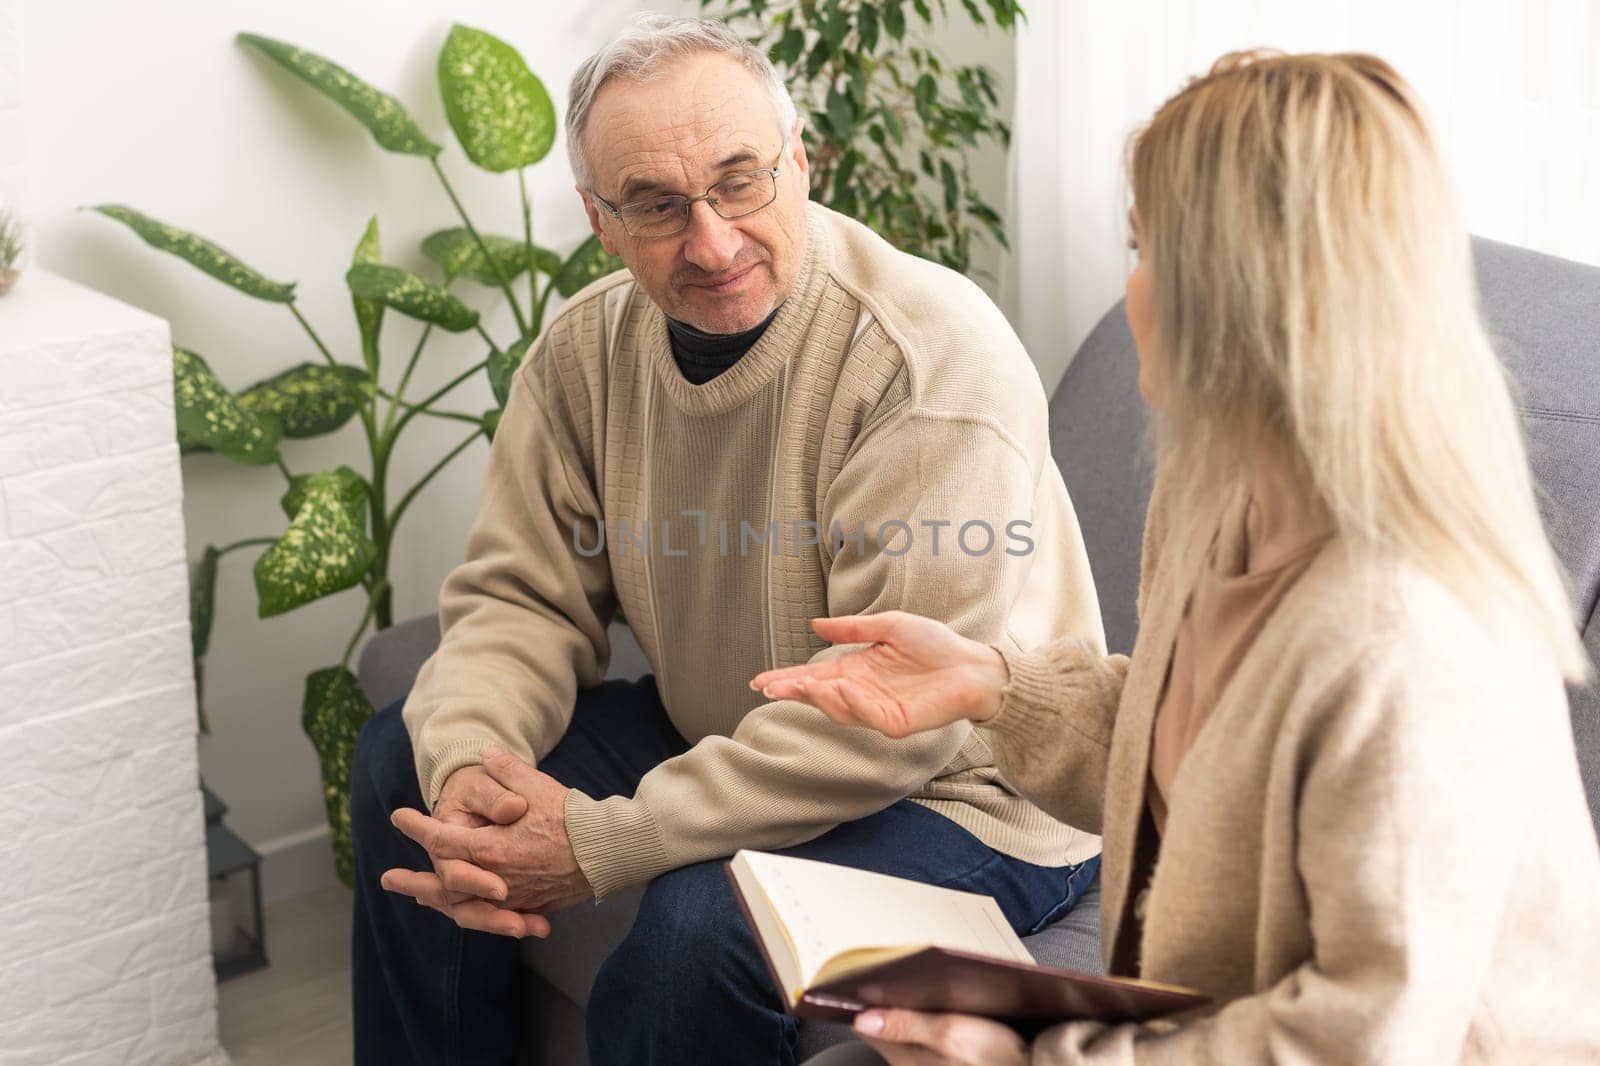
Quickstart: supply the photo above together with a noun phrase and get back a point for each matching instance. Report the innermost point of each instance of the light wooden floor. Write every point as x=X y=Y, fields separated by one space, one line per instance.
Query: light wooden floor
x=297 y=1010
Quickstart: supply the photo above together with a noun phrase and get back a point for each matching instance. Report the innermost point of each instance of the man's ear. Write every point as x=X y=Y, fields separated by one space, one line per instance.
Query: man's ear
x=801 y=163
x=594 y=221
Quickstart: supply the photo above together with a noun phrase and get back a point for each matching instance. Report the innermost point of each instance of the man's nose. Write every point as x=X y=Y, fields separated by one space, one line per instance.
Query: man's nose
x=711 y=242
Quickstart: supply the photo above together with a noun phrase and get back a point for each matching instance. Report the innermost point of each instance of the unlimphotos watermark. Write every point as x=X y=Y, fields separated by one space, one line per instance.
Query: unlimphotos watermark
x=893 y=537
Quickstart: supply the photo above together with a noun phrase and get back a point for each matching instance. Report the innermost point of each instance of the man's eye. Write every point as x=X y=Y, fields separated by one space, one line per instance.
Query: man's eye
x=657 y=208
x=736 y=187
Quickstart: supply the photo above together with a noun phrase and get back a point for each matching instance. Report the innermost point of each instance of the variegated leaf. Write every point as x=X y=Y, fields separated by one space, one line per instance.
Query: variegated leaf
x=369 y=313
x=499 y=109
x=208 y=414
x=351 y=486
x=332 y=714
x=199 y=252
x=310 y=399
x=324 y=550
x=457 y=253
x=410 y=295
x=502 y=365
x=387 y=119
x=545 y=261
x=202 y=604
x=588 y=262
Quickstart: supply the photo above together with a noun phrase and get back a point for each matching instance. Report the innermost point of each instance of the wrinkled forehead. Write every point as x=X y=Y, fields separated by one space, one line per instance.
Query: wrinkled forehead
x=682 y=129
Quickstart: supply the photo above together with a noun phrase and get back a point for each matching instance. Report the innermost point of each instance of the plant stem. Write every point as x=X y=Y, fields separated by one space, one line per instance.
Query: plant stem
x=245 y=544
x=494 y=265
x=486 y=338
x=406 y=377
x=287 y=476
x=405 y=500
x=527 y=245
x=549 y=287
x=380 y=589
x=459 y=416
x=412 y=412
x=312 y=333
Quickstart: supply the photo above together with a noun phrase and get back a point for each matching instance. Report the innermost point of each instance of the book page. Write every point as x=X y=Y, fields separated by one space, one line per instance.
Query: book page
x=770 y=930
x=830 y=911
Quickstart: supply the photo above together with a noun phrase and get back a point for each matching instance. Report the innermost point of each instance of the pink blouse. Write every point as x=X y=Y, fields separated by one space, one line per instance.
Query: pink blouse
x=1259 y=551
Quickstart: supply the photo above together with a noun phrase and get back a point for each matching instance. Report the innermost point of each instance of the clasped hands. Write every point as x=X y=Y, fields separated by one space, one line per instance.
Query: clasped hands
x=498 y=841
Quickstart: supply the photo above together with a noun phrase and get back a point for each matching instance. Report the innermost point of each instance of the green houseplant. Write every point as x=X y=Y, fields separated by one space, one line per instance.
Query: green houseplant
x=11 y=248
x=889 y=125
x=342 y=523
x=888 y=131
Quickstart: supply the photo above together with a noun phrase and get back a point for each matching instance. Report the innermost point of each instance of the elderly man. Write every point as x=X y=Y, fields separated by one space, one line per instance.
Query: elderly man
x=771 y=416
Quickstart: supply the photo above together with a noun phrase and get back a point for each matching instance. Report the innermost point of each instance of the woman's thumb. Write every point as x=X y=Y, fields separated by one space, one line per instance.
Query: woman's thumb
x=855 y=628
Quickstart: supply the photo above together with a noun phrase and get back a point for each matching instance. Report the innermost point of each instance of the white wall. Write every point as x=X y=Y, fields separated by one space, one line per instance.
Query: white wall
x=105 y=953
x=1513 y=90
x=12 y=139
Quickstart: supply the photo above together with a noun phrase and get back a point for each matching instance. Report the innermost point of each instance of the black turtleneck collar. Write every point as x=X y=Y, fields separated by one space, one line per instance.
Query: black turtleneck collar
x=702 y=356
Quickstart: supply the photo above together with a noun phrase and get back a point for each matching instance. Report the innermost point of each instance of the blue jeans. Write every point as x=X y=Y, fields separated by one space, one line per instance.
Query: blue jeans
x=687 y=984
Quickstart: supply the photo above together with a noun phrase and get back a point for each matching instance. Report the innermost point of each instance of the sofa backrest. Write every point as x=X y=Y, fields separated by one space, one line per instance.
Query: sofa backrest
x=1543 y=314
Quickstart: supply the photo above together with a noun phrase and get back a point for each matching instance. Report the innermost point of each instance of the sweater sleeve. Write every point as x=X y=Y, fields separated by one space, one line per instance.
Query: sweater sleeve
x=1407 y=778
x=787 y=774
x=523 y=619
x=1052 y=737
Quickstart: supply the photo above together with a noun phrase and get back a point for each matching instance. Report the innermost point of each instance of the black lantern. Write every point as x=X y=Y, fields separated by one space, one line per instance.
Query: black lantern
x=238 y=937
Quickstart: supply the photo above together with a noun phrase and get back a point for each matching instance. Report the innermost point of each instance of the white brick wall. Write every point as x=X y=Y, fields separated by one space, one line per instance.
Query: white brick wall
x=105 y=953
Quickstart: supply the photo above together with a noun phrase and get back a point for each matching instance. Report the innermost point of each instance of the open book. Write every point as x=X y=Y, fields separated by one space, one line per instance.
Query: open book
x=840 y=940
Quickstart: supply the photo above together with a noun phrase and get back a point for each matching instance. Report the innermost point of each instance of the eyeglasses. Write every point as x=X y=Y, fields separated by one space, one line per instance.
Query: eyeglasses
x=733 y=197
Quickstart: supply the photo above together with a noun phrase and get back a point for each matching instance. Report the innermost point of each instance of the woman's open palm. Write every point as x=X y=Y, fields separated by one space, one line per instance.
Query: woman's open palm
x=918 y=674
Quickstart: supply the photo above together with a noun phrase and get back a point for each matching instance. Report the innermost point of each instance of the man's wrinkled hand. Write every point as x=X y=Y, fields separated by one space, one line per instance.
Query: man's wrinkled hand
x=527 y=867
x=471 y=798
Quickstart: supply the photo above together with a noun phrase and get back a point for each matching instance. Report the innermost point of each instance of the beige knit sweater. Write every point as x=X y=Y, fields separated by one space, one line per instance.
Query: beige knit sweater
x=886 y=390
x=1377 y=850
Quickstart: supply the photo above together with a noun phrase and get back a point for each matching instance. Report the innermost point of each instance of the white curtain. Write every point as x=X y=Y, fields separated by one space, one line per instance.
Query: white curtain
x=1513 y=89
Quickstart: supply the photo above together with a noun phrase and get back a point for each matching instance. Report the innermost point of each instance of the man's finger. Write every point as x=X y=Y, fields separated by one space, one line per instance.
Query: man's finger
x=511 y=772
x=487 y=918
x=470 y=880
x=424 y=888
x=488 y=796
x=437 y=839
x=535 y=924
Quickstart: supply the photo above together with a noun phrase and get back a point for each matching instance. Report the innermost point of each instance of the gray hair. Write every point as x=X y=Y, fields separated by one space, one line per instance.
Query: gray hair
x=642 y=50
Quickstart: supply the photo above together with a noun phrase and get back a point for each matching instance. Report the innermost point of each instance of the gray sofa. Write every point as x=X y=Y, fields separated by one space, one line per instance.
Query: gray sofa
x=1544 y=315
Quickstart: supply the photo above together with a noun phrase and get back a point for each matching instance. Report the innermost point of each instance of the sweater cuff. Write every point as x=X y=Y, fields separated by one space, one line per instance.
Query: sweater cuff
x=616 y=841
x=435 y=768
x=1030 y=701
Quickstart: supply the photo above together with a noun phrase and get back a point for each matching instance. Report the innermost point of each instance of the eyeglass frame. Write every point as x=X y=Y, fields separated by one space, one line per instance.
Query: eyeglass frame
x=776 y=169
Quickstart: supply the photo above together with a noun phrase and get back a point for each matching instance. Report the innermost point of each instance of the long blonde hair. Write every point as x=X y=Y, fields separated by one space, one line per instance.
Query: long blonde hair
x=1313 y=284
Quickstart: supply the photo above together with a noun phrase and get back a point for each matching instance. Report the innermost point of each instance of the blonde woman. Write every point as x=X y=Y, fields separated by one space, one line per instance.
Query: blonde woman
x=1336 y=780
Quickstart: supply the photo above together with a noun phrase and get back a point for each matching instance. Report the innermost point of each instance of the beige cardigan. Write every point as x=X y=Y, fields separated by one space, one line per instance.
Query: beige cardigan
x=1378 y=849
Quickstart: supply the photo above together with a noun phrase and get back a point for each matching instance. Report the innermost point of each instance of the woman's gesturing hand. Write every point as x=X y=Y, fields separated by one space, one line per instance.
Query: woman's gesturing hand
x=918 y=674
